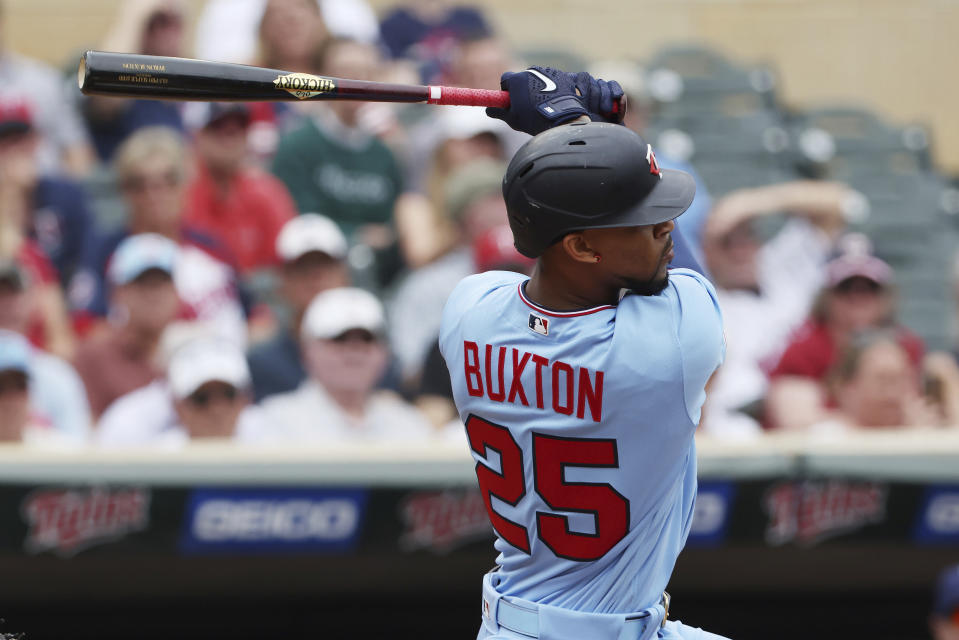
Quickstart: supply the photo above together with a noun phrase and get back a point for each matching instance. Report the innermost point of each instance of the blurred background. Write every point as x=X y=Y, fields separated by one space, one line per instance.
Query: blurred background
x=223 y=412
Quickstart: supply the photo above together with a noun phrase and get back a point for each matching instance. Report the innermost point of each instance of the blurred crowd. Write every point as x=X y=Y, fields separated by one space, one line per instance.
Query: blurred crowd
x=275 y=273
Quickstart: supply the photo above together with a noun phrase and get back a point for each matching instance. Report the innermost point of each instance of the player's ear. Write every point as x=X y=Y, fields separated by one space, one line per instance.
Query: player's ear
x=578 y=247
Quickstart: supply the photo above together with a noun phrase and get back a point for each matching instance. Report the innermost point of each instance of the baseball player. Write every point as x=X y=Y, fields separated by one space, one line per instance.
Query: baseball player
x=581 y=386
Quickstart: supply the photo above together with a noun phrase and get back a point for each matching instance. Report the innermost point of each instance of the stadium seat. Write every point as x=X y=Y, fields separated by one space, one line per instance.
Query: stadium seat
x=697 y=80
x=839 y=142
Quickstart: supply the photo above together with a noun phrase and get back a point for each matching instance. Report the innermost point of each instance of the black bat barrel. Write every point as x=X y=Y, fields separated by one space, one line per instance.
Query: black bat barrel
x=165 y=78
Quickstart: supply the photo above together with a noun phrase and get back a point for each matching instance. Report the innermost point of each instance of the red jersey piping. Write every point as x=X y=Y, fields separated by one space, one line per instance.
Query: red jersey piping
x=558 y=314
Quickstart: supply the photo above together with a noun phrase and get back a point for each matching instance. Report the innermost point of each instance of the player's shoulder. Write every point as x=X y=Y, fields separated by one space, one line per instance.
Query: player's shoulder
x=696 y=298
x=690 y=283
x=473 y=289
x=472 y=295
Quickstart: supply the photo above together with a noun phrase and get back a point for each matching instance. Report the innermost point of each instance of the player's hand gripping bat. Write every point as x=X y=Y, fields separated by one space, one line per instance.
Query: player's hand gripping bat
x=163 y=78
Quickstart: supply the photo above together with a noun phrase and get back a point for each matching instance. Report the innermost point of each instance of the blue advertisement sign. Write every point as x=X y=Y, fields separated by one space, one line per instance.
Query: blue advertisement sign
x=273 y=520
x=938 y=520
x=714 y=503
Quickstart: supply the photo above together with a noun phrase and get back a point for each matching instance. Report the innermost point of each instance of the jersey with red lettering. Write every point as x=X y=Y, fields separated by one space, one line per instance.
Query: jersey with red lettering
x=581 y=424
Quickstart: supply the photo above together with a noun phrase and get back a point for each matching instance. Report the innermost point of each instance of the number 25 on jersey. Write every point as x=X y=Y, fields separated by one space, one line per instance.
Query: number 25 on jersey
x=551 y=457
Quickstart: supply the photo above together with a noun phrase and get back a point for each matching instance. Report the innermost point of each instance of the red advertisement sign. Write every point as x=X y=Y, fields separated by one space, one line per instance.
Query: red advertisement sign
x=808 y=512
x=443 y=520
x=67 y=521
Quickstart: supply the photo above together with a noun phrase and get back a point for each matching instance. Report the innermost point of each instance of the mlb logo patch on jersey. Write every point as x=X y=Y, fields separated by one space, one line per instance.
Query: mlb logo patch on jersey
x=538 y=324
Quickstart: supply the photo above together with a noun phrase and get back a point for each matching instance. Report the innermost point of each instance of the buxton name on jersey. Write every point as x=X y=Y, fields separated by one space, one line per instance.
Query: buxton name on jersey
x=498 y=376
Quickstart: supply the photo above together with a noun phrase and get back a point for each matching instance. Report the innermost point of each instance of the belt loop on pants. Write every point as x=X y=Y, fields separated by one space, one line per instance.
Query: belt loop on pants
x=534 y=620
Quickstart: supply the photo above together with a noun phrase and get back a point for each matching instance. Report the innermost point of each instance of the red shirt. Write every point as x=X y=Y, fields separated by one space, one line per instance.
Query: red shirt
x=812 y=352
x=111 y=367
x=247 y=218
x=38 y=270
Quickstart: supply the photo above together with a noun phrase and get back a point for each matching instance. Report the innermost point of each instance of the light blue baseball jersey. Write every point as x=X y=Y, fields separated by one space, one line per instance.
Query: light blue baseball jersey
x=581 y=424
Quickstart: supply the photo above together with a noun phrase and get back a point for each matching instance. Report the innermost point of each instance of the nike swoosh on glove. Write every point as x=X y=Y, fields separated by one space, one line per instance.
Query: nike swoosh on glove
x=542 y=98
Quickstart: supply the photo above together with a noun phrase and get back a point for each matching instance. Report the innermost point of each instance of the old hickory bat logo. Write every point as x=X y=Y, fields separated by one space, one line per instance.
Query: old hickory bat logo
x=303 y=85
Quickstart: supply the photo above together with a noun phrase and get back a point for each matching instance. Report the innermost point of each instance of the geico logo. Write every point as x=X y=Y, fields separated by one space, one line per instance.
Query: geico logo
x=942 y=516
x=293 y=520
x=709 y=513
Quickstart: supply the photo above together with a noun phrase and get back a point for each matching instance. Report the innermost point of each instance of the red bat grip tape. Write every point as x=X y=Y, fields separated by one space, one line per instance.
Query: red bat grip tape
x=469 y=97
x=476 y=97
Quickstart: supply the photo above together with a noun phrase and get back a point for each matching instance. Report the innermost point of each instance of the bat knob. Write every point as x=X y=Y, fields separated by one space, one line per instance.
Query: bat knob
x=82 y=71
x=619 y=109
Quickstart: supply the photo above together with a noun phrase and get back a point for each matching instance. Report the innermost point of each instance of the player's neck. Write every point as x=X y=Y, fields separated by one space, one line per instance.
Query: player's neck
x=568 y=289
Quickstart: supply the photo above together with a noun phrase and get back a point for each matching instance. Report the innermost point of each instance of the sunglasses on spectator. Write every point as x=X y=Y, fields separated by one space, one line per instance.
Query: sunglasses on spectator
x=168 y=180
x=356 y=335
x=13 y=384
x=204 y=397
x=857 y=284
x=163 y=19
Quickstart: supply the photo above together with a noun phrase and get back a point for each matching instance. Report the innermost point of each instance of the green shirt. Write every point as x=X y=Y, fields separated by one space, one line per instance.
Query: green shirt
x=353 y=183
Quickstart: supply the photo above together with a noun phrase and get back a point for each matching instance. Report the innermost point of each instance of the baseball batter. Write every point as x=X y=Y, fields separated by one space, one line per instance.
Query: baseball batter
x=581 y=386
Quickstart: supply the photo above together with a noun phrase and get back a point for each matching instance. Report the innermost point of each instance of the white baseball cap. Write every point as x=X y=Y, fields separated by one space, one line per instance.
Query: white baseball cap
x=206 y=360
x=310 y=232
x=336 y=311
x=139 y=253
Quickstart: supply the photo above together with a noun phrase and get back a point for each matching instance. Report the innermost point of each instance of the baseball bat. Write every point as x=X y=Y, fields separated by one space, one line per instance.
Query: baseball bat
x=164 y=78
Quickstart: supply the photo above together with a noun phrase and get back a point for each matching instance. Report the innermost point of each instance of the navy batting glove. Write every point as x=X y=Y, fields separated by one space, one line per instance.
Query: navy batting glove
x=601 y=97
x=542 y=97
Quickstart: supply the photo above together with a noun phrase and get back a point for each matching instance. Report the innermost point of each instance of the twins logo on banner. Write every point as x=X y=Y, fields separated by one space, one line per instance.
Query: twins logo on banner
x=807 y=512
x=273 y=520
x=66 y=521
x=938 y=521
x=443 y=520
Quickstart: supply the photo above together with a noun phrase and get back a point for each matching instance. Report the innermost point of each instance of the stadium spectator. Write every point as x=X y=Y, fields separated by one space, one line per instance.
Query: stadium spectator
x=204 y=396
x=47 y=321
x=437 y=148
x=56 y=391
x=875 y=385
x=153 y=27
x=346 y=353
x=312 y=250
x=765 y=289
x=493 y=250
x=428 y=31
x=292 y=33
x=63 y=143
x=19 y=422
x=944 y=621
x=332 y=165
x=478 y=62
x=143 y=301
x=858 y=295
x=229 y=199
x=227 y=29
x=151 y=168
x=52 y=210
x=474 y=202
x=940 y=386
